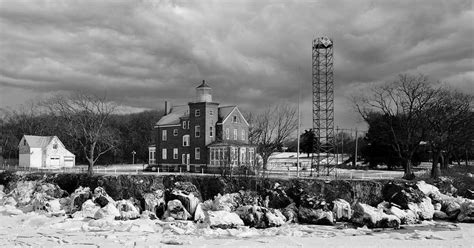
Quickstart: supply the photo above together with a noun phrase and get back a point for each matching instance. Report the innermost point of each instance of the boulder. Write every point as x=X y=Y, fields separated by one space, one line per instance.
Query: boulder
x=78 y=198
x=88 y=210
x=451 y=206
x=223 y=219
x=226 y=202
x=406 y=216
x=100 y=192
x=429 y=190
x=277 y=197
x=291 y=213
x=199 y=214
x=440 y=215
x=127 y=210
x=252 y=216
x=466 y=213
x=109 y=211
x=188 y=199
x=402 y=194
x=155 y=202
x=274 y=218
x=342 y=210
x=53 y=206
x=102 y=201
x=177 y=211
x=23 y=192
x=260 y=217
x=315 y=216
x=373 y=218
x=437 y=206
x=424 y=209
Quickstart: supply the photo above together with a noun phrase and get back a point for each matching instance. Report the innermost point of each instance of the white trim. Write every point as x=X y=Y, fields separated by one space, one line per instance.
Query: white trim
x=235 y=108
x=170 y=125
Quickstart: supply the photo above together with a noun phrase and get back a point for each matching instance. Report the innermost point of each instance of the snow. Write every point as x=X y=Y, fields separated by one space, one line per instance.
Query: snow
x=38 y=230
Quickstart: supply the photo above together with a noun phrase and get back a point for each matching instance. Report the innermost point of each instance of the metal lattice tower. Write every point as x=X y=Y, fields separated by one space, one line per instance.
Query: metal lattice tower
x=323 y=104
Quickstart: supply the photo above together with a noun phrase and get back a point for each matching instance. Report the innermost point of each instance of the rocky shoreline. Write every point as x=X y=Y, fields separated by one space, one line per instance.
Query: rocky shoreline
x=278 y=202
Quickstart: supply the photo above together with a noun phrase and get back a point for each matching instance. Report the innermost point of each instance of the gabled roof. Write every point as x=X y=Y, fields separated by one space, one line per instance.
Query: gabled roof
x=174 y=116
x=225 y=111
x=38 y=141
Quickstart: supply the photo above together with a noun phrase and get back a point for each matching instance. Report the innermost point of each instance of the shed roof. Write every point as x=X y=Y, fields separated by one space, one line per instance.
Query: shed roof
x=38 y=141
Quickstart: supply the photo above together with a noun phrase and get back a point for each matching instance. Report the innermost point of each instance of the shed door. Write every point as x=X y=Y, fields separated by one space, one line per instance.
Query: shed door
x=54 y=160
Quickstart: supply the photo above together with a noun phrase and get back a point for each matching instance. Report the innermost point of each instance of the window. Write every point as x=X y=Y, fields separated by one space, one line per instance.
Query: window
x=242 y=156
x=24 y=142
x=163 y=135
x=175 y=153
x=227 y=133
x=151 y=155
x=251 y=156
x=197 y=131
x=163 y=154
x=235 y=134
x=197 y=153
x=197 y=112
x=55 y=146
x=211 y=112
x=186 y=140
x=234 y=119
x=175 y=132
x=188 y=125
x=243 y=134
x=211 y=132
x=184 y=124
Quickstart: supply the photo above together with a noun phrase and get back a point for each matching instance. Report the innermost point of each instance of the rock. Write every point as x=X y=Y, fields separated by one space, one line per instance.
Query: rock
x=53 y=206
x=429 y=190
x=227 y=202
x=274 y=218
x=199 y=214
x=100 y=192
x=188 y=199
x=342 y=210
x=88 y=210
x=424 y=209
x=177 y=211
x=437 y=206
x=451 y=206
x=445 y=185
x=466 y=213
x=78 y=198
x=127 y=210
x=291 y=213
x=223 y=219
x=109 y=211
x=155 y=202
x=277 y=197
x=8 y=201
x=373 y=218
x=23 y=192
x=252 y=216
x=406 y=216
x=439 y=215
x=402 y=194
x=315 y=216
x=101 y=201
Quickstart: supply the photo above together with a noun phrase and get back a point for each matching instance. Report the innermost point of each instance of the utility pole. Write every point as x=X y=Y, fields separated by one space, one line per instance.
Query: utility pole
x=298 y=134
x=356 y=146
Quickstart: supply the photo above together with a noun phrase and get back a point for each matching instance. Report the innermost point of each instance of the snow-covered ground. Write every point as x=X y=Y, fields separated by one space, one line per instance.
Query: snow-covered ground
x=37 y=230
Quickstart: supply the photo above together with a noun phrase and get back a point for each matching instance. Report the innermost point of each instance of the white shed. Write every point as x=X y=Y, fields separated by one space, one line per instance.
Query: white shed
x=44 y=152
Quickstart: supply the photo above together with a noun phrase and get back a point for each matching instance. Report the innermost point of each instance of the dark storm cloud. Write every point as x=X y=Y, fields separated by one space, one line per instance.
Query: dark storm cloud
x=252 y=53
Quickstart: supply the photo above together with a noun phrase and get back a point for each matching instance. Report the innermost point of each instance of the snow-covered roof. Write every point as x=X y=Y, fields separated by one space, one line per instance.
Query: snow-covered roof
x=38 y=141
x=174 y=116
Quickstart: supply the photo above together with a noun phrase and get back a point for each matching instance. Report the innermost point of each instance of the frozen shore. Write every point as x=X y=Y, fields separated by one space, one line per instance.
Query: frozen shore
x=37 y=230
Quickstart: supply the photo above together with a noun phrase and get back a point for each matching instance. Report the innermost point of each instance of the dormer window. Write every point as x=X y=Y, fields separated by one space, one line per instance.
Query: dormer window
x=197 y=112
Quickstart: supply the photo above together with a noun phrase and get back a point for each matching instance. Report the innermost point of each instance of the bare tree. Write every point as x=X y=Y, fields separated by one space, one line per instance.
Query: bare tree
x=86 y=118
x=270 y=128
x=403 y=105
x=450 y=121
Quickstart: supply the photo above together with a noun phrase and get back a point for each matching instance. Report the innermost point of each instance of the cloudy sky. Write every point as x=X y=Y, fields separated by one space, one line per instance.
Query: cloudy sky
x=253 y=53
